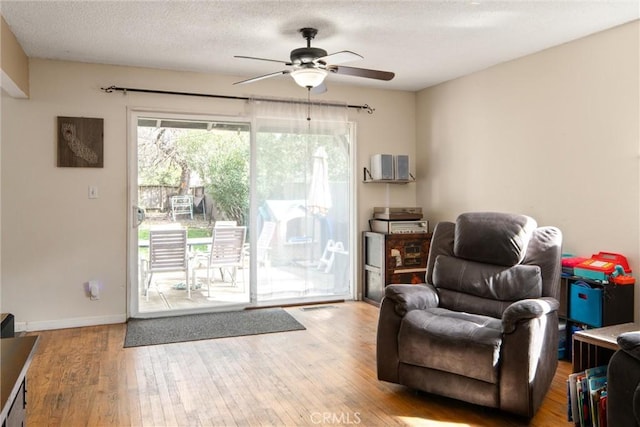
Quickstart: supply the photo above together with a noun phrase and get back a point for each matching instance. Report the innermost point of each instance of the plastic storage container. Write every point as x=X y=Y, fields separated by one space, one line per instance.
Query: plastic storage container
x=585 y=304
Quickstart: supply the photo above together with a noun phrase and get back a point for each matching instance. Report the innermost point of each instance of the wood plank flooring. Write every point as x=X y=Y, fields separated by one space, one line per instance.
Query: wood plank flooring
x=324 y=375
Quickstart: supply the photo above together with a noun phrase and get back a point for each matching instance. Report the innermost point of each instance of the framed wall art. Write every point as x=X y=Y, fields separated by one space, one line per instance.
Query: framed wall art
x=80 y=142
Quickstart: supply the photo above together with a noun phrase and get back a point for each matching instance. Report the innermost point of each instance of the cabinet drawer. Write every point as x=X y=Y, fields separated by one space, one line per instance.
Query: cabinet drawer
x=373 y=286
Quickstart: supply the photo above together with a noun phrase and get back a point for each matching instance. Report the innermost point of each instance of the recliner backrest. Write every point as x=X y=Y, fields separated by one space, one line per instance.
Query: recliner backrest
x=493 y=237
x=545 y=251
x=487 y=260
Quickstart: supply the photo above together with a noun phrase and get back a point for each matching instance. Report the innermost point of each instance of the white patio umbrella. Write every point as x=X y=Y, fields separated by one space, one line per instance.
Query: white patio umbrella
x=319 y=197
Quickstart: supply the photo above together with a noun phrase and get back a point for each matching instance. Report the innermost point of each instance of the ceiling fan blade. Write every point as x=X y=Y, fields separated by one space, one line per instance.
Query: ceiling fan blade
x=339 y=57
x=321 y=88
x=361 y=72
x=266 y=76
x=263 y=59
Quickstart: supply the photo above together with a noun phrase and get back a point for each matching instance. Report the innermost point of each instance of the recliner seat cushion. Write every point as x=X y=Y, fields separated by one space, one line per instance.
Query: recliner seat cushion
x=493 y=237
x=458 y=301
x=460 y=343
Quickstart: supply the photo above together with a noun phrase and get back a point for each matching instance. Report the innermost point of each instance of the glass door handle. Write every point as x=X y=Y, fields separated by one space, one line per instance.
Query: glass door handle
x=138 y=215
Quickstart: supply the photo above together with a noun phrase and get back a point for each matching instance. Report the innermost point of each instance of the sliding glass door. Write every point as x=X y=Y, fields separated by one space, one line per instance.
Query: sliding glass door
x=287 y=185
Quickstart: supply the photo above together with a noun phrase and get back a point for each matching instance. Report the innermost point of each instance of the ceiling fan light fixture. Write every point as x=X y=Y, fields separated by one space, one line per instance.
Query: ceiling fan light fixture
x=309 y=77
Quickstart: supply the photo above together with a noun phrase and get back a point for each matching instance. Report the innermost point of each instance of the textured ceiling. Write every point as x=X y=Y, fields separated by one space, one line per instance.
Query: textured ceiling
x=423 y=42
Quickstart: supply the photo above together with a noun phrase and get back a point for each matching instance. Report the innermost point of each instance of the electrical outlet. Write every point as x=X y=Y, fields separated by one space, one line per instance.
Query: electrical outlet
x=94 y=290
x=93 y=192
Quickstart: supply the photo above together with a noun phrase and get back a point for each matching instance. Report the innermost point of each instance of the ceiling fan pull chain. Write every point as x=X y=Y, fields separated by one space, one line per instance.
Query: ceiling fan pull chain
x=308 y=104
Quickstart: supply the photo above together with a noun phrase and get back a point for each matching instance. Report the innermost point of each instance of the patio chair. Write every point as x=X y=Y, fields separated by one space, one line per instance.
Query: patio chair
x=181 y=205
x=329 y=255
x=227 y=253
x=167 y=253
x=219 y=224
x=263 y=246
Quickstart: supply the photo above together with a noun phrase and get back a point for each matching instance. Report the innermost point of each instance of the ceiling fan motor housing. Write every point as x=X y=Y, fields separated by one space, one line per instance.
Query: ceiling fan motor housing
x=306 y=55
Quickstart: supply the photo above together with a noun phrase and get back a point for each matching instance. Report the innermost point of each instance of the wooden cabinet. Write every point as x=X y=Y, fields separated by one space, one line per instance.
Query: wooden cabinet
x=392 y=258
x=15 y=358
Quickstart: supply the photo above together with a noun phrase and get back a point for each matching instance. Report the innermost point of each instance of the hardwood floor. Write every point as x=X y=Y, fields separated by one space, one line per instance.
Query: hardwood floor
x=324 y=375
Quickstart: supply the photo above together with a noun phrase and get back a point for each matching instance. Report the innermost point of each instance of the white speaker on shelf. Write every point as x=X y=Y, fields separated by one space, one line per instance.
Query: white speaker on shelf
x=382 y=166
x=402 y=167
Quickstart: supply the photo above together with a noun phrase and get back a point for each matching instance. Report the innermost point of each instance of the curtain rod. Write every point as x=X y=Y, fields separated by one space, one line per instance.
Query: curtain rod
x=111 y=89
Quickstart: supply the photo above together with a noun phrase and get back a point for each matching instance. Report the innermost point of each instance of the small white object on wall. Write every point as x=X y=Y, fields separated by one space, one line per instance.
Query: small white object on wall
x=94 y=290
x=93 y=192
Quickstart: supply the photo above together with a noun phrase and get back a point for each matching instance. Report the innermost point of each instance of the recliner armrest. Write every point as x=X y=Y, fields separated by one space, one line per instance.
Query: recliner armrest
x=411 y=297
x=527 y=309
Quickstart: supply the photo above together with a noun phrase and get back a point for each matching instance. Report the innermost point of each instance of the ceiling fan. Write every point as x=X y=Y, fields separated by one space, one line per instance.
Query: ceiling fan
x=310 y=65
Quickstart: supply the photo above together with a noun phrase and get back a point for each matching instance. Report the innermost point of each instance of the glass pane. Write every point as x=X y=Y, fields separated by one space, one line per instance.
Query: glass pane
x=303 y=203
x=192 y=174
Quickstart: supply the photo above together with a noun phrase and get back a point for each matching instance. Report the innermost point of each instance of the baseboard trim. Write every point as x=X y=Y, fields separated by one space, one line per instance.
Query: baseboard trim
x=271 y=304
x=77 y=322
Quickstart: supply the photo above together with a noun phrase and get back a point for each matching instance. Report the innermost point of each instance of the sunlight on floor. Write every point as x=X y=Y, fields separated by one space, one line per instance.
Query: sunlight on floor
x=414 y=421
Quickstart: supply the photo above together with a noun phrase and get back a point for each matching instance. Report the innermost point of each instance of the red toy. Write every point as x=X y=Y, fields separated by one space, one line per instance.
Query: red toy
x=601 y=265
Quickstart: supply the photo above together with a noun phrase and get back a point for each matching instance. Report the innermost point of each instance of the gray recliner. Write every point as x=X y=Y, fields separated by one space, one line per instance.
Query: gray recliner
x=484 y=328
x=623 y=383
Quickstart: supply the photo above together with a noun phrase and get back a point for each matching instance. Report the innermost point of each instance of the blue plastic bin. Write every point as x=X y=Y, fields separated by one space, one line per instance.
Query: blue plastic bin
x=585 y=304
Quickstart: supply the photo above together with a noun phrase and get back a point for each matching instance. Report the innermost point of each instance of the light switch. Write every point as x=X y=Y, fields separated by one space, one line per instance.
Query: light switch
x=93 y=192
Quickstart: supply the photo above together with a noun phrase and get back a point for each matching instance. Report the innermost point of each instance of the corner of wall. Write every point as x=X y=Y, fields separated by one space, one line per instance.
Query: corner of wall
x=14 y=64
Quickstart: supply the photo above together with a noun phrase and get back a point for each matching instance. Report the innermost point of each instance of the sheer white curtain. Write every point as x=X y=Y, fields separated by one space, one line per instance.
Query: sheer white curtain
x=302 y=173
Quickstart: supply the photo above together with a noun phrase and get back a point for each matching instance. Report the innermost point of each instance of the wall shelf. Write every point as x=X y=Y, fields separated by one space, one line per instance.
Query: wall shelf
x=368 y=179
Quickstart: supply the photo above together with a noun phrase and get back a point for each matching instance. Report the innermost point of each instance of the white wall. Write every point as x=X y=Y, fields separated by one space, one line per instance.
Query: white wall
x=54 y=239
x=555 y=135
